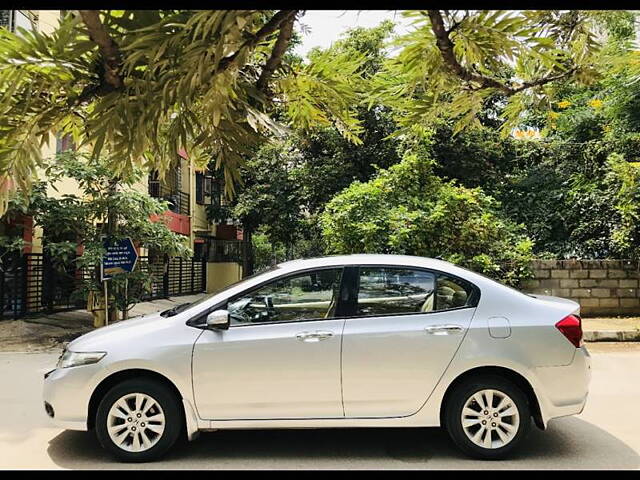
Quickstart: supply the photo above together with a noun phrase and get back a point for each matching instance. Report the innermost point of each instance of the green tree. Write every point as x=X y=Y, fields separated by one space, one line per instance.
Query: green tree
x=135 y=86
x=107 y=207
x=288 y=182
x=624 y=179
x=454 y=62
x=407 y=209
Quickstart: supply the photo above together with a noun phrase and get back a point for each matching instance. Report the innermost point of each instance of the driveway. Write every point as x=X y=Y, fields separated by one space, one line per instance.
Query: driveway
x=604 y=436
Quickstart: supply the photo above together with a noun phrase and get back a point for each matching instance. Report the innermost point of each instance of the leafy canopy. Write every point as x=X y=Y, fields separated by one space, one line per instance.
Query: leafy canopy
x=407 y=209
x=454 y=62
x=135 y=86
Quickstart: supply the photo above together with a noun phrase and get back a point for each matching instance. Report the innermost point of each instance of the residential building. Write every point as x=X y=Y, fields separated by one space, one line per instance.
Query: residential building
x=217 y=247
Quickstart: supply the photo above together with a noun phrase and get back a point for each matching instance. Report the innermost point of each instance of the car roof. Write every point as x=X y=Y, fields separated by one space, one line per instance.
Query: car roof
x=367 y=259
x=384 y=259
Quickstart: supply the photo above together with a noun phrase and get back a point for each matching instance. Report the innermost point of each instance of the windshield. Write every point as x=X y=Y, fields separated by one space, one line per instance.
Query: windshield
x=185 y=306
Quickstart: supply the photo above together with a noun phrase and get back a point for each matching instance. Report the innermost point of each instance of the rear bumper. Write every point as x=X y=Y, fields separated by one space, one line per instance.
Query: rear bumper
x=563 y=390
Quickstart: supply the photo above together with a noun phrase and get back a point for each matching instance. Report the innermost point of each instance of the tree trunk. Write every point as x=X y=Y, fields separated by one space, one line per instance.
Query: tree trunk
x=110 y=229
x=247 y=253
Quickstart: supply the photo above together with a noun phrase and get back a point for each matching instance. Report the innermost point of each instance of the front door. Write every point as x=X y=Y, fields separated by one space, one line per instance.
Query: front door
x=280 y=357
x=408 y=325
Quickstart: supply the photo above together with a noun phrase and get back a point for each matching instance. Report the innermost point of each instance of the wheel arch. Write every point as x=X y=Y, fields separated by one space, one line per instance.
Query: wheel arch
x=108 y=382
x=504 y=372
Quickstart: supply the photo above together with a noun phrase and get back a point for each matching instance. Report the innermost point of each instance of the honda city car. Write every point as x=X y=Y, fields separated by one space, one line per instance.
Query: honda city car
x=342 y=341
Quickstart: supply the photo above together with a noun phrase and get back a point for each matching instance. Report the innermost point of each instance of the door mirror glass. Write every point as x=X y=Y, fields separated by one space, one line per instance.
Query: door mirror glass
x=218 y=320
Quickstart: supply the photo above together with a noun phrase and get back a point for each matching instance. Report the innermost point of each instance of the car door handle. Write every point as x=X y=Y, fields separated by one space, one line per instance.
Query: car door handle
x=316 y=336
x=443 y=329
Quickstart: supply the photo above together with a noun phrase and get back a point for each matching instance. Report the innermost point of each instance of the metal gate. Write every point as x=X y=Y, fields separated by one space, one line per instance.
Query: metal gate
x=32 y=284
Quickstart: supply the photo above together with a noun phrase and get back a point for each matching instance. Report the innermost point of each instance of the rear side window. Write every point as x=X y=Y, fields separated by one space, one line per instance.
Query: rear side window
x=452 y=293
x=388 y=291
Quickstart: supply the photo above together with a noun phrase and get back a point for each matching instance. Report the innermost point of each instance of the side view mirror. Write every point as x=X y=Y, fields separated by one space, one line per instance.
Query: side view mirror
x=218 y=320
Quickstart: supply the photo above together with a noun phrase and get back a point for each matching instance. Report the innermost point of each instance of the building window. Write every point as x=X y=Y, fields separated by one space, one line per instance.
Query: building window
x=216 y=192
x=6 y=19
x=204 y=187
x=199 y=188
x=12 y=19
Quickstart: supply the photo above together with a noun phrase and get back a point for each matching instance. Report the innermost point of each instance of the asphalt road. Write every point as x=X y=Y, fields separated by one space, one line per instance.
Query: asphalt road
x=604 y=436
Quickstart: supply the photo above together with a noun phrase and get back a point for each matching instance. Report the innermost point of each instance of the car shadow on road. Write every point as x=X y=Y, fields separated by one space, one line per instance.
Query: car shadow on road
x=569 y=443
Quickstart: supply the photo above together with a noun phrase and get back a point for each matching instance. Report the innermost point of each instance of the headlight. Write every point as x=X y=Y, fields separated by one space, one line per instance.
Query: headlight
x=76 y=359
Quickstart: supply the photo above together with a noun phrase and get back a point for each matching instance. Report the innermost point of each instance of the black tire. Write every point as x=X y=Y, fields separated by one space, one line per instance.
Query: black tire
x=174 y=421
x=455 y=404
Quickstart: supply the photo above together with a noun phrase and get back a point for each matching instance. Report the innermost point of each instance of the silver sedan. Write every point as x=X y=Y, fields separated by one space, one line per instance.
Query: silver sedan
x=344 y=341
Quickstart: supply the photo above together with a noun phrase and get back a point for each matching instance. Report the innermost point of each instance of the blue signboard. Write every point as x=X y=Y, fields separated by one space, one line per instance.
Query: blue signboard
x=121 y=257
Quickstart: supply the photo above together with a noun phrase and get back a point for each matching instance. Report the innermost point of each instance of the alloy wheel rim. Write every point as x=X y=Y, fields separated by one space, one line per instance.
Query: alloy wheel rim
x=135 y=422
x=490 y=418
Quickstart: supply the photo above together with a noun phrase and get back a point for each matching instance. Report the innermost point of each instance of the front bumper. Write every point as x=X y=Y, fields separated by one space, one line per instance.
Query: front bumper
x=67 y=391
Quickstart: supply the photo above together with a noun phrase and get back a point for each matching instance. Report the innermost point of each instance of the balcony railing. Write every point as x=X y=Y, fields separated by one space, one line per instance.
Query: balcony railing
x=178 y=201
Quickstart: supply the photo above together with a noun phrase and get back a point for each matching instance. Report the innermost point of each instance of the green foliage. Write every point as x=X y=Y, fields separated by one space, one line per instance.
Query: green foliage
x=177 y=79
x=288 y=182
x=266 y=253
x=624 y=178
x=407 y=209
x=10 y=245
x=508 y=54
x=72 y=220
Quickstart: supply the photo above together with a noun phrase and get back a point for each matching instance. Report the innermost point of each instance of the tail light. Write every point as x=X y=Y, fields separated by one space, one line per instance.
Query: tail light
x=571 y=327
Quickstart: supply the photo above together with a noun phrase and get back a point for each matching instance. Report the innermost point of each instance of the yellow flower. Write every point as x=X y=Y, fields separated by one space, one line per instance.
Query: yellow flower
x=554 y=115
x=564 y=104
x=607 y=128
x=528 y=134
x=596 y=103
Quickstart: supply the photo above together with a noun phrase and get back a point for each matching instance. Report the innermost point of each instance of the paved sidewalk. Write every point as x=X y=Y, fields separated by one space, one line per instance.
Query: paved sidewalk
x=48 y=332
x=145 y=308
x=611 y=329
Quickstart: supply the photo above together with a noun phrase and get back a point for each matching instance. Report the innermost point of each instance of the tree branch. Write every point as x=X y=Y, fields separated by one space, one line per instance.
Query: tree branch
x=108 y=47
x=445 y=45
x=284 y=37
x=544 y=80
x=267 y=29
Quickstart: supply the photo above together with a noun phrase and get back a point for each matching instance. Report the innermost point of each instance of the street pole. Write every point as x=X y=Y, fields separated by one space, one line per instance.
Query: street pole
x=126 y=298
x=106 y=304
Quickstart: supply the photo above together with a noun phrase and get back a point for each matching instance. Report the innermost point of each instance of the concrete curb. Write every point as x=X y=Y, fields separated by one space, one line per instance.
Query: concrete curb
x=611 y=336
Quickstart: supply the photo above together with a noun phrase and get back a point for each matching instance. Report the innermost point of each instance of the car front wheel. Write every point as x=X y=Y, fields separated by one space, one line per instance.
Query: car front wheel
x=138 y=420
x=488 y=417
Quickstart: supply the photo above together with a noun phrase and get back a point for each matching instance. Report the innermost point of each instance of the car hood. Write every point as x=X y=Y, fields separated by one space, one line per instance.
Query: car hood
x=120 y=331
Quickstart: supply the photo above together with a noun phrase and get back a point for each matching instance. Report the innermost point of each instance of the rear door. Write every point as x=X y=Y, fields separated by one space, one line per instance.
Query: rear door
x=407 y=325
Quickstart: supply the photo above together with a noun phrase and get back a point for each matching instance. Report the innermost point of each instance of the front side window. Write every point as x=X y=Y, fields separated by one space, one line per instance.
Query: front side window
x=308 y=296
x=388 y=291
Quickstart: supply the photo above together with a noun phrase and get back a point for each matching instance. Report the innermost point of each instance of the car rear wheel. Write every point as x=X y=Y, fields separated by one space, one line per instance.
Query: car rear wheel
x=138 y=420
x=487 y=417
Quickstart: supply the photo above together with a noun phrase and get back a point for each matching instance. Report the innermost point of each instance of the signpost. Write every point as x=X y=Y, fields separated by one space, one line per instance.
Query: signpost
x=121 y=257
